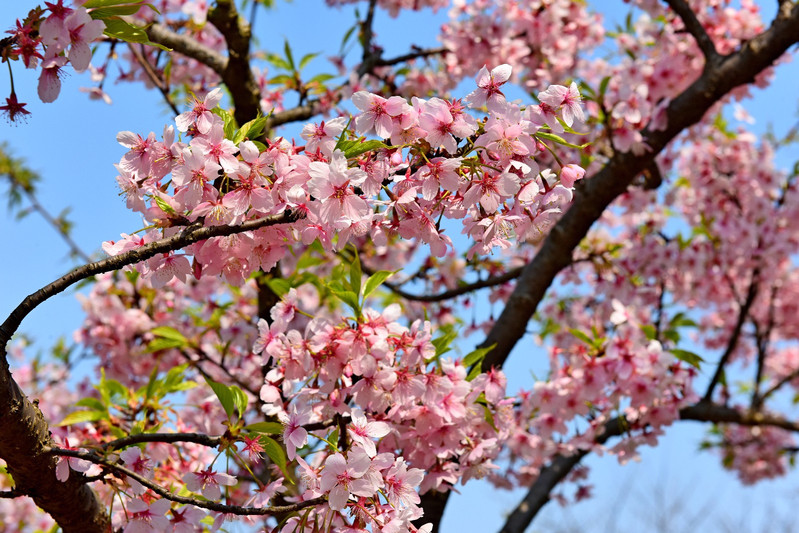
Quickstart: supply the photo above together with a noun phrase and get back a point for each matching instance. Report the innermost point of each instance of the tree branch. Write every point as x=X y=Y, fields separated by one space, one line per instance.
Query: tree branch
x=171 y=438
x=561 y=465
x=458 y=291
x=595 y=194
x=211 y=506
x=237 y=75
x=696 y=29
x=193 y=233
x=743 y=313
x=185 y=45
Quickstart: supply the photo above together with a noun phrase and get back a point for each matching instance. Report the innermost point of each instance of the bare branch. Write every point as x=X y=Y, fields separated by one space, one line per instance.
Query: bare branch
x=154 y=78
x=416 y=54
x=732 y=343
x=211 y=506
x=696 y=29
x=171 y=438
x=463 y=289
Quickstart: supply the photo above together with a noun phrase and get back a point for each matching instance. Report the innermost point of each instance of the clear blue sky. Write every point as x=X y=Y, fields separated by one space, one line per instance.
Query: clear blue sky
x=72 y=144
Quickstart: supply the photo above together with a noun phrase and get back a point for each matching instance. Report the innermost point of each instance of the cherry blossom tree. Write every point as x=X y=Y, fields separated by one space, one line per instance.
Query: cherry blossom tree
x=297 y=340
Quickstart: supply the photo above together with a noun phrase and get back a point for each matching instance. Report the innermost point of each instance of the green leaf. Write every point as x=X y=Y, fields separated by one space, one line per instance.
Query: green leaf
x=443 y=342
x=689 y=357
x=159 y=344
x=289 y=56
x=83 y=416
x=320 y=78
x=92 y=403
x=307 y=58
x=91 y=4
x=230 y=122
x=279 y=286
x=119 y=29
x=278 y=61
x=169 y=333
x=559 y=140
x=358 y=147
x=268 y=428
x=276 y=453
x=650 y=331
x=250 y=130
x=115 y=11
x=582 y=336
x=225 y=396
x=356 y=274
x=166 y=338
x=476 y=356
x=163 y=206
x=348 y=297
x=375 y=280
x=239 y=400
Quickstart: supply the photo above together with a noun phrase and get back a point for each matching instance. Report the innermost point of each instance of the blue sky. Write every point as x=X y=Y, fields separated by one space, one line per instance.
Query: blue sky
x=72 y=144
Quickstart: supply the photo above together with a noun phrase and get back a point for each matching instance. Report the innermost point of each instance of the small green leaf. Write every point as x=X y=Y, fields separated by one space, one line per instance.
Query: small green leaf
x=279 y=286
x=689 y=357
x=163 y=206
x=307 y=58
x=443 y=342
x=348 y=297
x=268 y=428
x=225 y=396
x=476 y=356
x=355 y=148
x=124 y=31
x=250 y=130
x=582 y=336
x=356 y=274
x=92 y=403
x=276 y=453
x=375 y=280
x=77 y=417
x=289 y=56
x=560 y=140
x=239 y=400
x=650 y=331
x=169 y=333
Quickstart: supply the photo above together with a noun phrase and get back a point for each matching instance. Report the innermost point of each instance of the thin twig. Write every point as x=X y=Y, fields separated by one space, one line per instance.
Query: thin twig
x=211 y=506
x=157 y=81
x=732 y=343
x=194 y=233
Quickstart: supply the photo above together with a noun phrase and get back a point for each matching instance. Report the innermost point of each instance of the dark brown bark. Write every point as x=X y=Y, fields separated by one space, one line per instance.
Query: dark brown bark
x=23 y=439
x=595 y=194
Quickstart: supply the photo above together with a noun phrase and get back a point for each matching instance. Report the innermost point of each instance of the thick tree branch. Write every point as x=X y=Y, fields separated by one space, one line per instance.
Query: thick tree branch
x=238 y=76
x=211 y=506
x=696 y=29
x=561 y=465
x=23 y=440
x=185 y=45
x=595 y=194
x=26 y=436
